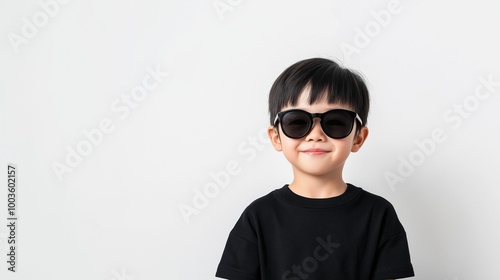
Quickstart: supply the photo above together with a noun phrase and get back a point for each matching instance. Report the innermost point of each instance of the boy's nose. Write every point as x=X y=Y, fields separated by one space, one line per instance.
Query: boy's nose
x=316 y=133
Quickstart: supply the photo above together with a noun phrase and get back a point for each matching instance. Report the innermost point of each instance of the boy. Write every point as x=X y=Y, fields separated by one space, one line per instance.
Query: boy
x=317 y=227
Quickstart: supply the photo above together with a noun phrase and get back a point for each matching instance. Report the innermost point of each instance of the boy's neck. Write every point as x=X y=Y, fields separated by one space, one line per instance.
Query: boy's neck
x=318 y=187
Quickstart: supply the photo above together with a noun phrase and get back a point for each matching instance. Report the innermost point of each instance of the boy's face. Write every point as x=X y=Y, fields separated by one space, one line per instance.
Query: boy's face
x=317 y=154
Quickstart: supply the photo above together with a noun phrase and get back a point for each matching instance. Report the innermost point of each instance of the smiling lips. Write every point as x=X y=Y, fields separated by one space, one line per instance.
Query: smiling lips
x=314 y=152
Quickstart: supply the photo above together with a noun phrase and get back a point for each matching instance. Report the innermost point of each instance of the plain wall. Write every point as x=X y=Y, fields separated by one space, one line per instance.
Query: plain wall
x=109 y=147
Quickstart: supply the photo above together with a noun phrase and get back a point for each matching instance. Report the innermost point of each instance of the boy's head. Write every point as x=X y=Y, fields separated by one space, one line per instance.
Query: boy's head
x=321 y=108
x=326 y=80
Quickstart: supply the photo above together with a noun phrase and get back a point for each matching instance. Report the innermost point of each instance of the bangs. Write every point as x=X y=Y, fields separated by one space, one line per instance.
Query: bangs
x=326 y=80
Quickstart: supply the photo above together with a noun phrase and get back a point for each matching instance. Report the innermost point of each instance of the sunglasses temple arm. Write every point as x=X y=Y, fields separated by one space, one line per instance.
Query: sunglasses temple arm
x=359 y=119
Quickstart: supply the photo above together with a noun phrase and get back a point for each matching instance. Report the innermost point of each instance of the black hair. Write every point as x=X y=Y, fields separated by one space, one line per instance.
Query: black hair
x=323 y=77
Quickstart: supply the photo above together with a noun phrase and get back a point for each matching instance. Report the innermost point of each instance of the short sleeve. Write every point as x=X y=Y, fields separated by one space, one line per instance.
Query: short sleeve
x=393 y=254
x=240 y=259
x=393 y=260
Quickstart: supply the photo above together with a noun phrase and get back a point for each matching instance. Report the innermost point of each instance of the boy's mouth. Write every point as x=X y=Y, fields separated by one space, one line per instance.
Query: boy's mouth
x=315 y=151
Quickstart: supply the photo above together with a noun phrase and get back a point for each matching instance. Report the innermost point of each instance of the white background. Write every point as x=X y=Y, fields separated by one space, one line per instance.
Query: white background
x=116 y=214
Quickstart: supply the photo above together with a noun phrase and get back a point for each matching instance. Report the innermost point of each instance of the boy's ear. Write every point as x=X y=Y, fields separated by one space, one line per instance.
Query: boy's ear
x=359 y=139
x=274 y=136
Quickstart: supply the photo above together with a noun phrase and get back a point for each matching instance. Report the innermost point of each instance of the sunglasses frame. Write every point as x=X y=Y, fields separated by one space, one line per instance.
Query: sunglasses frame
x=311 y=116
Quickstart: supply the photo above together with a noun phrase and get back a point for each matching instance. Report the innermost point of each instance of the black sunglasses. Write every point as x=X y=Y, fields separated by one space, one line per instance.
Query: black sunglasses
x=336 y=123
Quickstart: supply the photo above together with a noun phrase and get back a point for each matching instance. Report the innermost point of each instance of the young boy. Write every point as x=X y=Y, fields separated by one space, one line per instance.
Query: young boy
x=317 y=227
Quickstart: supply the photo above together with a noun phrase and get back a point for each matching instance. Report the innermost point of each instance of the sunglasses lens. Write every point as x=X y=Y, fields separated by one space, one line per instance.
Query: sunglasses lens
x=338 y=124
x=296 y=124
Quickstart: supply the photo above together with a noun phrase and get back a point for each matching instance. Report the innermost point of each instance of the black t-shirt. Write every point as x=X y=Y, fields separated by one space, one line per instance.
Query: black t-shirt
x=284 y=236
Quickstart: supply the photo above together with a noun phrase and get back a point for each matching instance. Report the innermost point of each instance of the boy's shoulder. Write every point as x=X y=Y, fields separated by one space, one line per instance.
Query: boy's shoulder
x=376 y=199
x=265 y=201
